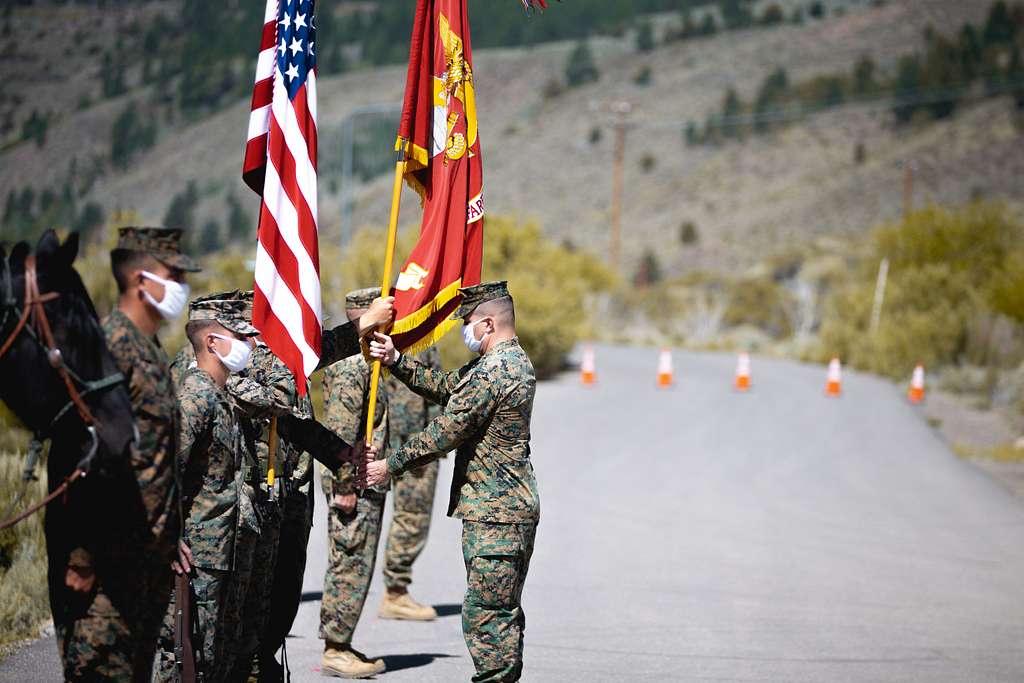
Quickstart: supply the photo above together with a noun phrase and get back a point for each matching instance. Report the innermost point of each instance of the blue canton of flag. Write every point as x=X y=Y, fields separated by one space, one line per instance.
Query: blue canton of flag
x=296 y=34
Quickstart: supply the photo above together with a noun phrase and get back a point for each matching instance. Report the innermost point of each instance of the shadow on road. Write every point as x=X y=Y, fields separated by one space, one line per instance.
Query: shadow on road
x=312 y=596
x=399 y=662
x=448 y=610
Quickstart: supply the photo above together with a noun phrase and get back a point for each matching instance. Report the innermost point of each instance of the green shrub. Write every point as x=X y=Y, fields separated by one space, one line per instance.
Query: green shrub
x=762 y=303
x=947 y=268
x=24 y=604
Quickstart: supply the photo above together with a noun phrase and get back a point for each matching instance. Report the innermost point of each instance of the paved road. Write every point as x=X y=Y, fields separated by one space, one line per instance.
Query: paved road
x=696 y=534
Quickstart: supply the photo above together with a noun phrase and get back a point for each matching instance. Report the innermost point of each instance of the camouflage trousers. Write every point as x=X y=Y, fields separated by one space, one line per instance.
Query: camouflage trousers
x=100 y=642
x=96 y=644
x=497 y=558
x=407 y=536
x=351 y=555
x=256 y=599
x=236 y=654
x=288 y=571
x=211 y=588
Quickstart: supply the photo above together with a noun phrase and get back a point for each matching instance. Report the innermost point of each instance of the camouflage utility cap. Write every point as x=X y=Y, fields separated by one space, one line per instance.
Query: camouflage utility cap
x=226 y=308
x=164 y=244
x=479 y=294
x=361 y=298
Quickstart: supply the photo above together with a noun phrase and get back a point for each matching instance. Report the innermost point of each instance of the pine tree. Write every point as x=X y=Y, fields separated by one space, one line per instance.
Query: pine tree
x=181 y=211
x=209 y=238
x=1015 y=76
x=999 y=28
x=580 y=68
x=864 y=76
x=239 y=227
x=645 y=37
x=908 y=83
x=732 y=108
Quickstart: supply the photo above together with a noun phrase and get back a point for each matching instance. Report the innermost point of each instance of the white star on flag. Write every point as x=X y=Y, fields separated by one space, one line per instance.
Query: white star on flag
x=296 y=46
x=292 y=72
x=284 y=46
x=300 y=20
x=287 y=21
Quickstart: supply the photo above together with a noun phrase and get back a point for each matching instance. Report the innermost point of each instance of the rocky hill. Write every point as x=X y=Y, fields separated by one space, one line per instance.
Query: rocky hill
x=548 y=148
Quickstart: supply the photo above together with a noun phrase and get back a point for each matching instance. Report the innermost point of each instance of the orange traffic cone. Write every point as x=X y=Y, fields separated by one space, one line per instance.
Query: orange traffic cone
x=587 y=373
x=743 y=372
x=834 y=384
x=665 y=369
x=916 y=391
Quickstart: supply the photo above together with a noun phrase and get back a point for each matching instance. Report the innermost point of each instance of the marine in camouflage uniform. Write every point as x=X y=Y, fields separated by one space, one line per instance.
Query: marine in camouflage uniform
x=264 y=392
x=116 y=639
x=487 y=409
x=353 y=536
x=412 y=497
x=210 y=470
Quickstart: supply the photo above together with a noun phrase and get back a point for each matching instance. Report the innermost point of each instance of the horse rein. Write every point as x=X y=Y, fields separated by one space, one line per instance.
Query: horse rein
x=34 y=316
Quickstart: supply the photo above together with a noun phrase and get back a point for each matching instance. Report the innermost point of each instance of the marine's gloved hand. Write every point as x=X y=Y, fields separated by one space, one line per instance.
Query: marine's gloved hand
x=382 y=348
x=379 y=315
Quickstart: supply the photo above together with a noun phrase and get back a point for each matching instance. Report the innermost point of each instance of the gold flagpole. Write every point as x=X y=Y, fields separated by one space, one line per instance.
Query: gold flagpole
x=385 y=283
x=271 y=456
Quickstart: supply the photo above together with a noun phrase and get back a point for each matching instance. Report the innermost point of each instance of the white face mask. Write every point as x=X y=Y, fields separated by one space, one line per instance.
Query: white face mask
x=238 y=357
x=472 y=343
x=175 y=296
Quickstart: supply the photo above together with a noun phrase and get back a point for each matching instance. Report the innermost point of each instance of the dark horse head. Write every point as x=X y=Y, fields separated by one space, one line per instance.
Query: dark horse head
x=29 y=383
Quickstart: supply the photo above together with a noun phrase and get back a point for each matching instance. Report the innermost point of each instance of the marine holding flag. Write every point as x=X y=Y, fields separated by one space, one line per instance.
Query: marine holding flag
x=438 y=135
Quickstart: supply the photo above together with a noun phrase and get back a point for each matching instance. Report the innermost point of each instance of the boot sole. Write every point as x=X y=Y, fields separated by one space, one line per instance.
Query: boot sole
x=336 y=673
x=401 y=617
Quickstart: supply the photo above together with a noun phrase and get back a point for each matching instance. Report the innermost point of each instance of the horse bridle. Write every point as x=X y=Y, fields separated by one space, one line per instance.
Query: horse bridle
x=32 y=319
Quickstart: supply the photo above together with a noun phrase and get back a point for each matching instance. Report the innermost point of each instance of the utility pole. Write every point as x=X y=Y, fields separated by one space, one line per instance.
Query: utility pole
x=880 y=283
x=621 y=111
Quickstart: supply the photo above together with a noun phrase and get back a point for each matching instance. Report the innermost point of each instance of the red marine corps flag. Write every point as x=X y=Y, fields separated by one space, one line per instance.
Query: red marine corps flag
x=439 y=138
x=280 y=166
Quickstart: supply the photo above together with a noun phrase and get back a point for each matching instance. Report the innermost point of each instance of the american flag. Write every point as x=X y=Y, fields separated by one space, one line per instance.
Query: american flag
x=280 y=166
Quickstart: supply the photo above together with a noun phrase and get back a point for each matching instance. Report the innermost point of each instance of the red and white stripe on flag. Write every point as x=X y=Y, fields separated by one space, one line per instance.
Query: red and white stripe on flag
x=280 y=166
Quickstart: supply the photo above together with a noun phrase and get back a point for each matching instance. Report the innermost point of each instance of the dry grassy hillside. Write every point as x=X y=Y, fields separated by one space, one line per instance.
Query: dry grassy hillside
x=542 y=162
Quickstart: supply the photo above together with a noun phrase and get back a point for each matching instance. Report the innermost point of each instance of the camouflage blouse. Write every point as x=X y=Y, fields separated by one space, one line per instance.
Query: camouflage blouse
x=143 y=362
x=210 y=459
x=488 y=404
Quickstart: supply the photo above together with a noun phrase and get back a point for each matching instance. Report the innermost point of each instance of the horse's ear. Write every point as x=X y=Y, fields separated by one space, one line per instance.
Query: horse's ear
x=48 y=244
x=68 y=251
x=20 y=252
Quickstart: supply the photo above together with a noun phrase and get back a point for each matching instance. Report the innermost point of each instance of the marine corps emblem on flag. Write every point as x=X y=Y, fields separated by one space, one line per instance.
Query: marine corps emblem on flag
x=441 y=143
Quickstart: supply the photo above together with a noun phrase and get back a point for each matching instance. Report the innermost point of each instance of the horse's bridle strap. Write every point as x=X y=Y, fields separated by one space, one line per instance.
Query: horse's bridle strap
x=35 y=310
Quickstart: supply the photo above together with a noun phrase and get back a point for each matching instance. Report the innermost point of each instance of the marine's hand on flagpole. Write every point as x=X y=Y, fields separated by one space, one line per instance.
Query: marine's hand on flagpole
x=382 y=348
x=375 y=474
x=379 y=315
